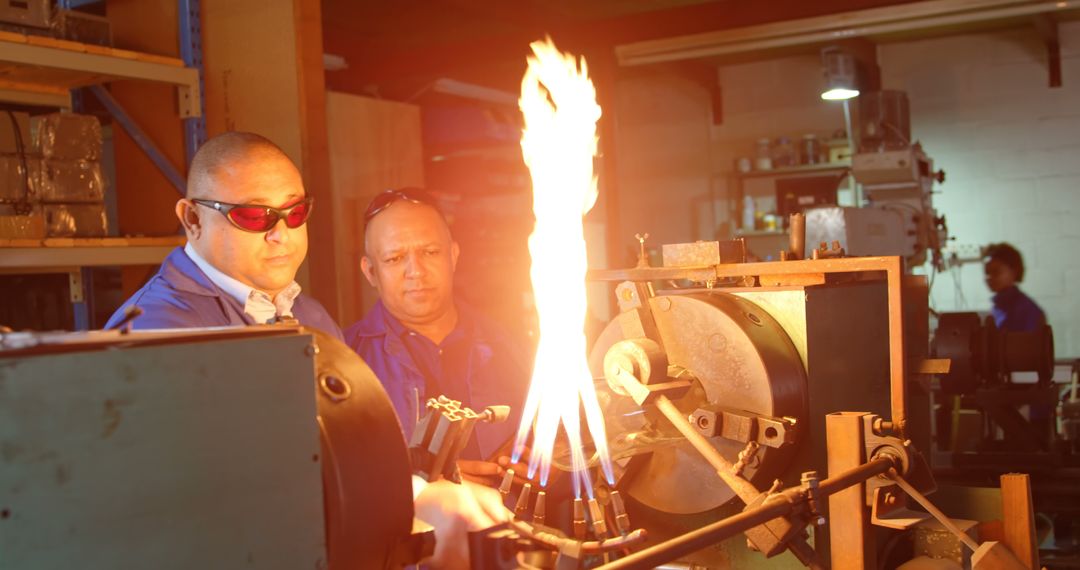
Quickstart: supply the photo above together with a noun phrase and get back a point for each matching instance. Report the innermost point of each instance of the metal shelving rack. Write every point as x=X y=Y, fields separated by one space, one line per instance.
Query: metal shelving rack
x=50 y=72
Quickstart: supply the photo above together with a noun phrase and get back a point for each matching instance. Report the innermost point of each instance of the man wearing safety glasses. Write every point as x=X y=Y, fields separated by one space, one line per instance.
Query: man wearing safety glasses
x=245 y=216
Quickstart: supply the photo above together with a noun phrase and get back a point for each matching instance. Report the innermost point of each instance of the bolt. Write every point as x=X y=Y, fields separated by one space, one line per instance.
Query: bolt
x=311 y=349
x=507 y=483
x=579 y=519
x=540 y=510
x=523 y=500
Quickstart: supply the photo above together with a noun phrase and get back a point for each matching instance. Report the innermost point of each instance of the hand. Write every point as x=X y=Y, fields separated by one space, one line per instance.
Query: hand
x=481 y=472
x=521 y=470
x=455 y=510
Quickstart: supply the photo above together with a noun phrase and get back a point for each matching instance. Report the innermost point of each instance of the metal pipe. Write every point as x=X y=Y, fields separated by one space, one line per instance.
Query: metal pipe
x=701 y=538
x=857 y=189
x=720 y=530
x=797 y=235
x=854 y=476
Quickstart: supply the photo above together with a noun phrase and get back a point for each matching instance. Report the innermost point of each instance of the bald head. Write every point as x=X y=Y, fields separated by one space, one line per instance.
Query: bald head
x=410 y=259
x=224 y=154
x=244 y=170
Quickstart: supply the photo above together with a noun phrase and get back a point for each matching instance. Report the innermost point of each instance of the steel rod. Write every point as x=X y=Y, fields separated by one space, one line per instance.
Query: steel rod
x=930 y=508
x=701 y=538
x=742 y=488
x=720 y=530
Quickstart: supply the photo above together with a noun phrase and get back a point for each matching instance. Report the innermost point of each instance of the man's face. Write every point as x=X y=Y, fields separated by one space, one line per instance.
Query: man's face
x=265 y=261
x=410 y=260
x=999 y=276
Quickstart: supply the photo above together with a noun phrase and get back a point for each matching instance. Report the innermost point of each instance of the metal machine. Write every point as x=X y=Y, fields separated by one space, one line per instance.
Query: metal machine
x=729 y=395
x=264 y=446
x=756 y=410
x=897 y=179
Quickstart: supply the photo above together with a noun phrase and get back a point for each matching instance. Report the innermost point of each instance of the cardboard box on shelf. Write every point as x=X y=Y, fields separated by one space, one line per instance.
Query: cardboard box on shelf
x=19 y=180
x=67 y=136
x=71 y=181
x=9 y=120
x=75 y=220
x=15 y=226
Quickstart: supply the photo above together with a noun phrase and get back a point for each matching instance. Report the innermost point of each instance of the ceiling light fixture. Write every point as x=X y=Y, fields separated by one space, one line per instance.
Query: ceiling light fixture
x=841 y=76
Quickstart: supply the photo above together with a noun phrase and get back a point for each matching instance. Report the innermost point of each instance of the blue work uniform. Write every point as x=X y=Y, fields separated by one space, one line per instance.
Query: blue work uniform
x=180 y=295
x=476 y=364
x=1016 y=312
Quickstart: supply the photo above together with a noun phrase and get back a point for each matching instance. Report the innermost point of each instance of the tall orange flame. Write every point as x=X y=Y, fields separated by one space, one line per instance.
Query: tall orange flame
x=558 y=101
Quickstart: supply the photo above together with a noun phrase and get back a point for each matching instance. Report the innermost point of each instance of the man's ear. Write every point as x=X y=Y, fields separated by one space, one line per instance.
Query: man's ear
x=455 y=251
x=369 y=270
x=189 y=218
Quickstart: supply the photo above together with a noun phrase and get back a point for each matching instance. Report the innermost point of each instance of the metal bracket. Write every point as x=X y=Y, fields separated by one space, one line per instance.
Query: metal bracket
x=192 y=97
x=889 y=509
x=75 y=281
x=888 y=504
x=1047 y=27
x=744 y=426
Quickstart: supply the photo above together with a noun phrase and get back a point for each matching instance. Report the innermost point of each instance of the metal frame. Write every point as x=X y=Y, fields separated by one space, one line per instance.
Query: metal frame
x=109 y=67
x=77 y=261
x=191 y=53
x=893 y=267
x=141 y=138
x=45 y=259
x=60 y=99
x=822 y=29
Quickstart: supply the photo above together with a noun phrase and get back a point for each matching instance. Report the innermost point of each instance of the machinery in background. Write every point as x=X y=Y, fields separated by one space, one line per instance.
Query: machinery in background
x=897 y=179
x=984 y=358
x=728 y=391
x=217 y=448
x=203 y=448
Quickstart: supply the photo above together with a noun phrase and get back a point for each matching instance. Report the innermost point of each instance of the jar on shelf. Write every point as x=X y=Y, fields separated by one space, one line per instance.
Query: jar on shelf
x=763 y=156
x=811 y=150
x=783 y=153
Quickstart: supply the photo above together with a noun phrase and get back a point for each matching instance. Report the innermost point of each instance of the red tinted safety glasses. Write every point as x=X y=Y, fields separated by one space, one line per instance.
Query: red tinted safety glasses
x=260 y=219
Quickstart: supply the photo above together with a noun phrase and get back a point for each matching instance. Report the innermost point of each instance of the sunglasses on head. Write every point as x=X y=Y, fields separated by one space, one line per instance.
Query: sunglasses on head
x=260 y=219
x=387 y=198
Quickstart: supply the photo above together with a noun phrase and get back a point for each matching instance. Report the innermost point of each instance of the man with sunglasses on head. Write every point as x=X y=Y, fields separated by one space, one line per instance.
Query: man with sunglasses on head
x=245 y=215
x=421 y=341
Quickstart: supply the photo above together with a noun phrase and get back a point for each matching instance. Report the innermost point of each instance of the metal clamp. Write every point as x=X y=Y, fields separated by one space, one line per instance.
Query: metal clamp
x=744 y=427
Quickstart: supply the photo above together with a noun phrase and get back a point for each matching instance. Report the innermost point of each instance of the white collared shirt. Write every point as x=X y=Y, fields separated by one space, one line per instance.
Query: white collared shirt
x=258 y=305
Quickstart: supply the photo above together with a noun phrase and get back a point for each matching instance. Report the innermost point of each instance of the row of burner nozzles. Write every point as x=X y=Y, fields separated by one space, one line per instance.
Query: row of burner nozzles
x=580 y=521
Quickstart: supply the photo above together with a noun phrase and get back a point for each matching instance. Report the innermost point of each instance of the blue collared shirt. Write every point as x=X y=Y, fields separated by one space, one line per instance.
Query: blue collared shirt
x=261 y=307
x=476 y=364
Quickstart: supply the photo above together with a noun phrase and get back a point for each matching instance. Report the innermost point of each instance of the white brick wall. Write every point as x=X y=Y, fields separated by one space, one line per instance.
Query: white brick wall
x=663 y=161
x=980 y=105
x=1011 y=148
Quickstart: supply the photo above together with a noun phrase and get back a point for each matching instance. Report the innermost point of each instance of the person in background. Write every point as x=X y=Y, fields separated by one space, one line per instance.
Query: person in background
x=1013 y=310
x=245 y=216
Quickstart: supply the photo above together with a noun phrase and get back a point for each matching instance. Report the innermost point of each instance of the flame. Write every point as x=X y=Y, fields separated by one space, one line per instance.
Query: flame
x=558 y=144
